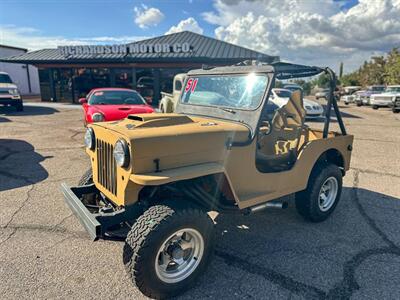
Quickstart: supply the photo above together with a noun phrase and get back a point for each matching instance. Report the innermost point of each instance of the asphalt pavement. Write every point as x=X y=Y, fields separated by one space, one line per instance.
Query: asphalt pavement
x=275 y=254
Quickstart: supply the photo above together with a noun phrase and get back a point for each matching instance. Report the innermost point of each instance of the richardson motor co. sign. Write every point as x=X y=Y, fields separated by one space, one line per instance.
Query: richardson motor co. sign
x=125 y=49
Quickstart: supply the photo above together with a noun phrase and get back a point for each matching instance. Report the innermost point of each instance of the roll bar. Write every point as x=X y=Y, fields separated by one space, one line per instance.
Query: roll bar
x=332 y=102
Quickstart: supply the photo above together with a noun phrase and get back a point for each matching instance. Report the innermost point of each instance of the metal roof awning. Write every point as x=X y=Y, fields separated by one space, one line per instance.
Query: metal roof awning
x=183 y=46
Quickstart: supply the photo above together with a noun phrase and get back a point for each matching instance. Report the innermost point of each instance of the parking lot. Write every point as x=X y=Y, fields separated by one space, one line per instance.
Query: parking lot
x=46 y=254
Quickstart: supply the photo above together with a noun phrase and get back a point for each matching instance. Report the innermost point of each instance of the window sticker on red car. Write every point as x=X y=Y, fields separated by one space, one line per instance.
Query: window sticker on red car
x=98 y=94
x=191 y=85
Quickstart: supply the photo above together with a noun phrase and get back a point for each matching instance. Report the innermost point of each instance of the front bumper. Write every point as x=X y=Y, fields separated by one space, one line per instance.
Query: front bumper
x=96 y=224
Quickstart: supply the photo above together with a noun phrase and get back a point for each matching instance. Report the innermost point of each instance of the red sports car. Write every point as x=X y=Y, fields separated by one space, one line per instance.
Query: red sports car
x=110 y=104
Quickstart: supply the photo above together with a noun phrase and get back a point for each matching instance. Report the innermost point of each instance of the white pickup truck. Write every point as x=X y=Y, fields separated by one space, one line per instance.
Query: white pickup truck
x=168 y=101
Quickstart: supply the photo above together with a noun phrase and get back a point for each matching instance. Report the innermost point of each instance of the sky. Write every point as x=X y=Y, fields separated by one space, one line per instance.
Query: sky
x=313 y=32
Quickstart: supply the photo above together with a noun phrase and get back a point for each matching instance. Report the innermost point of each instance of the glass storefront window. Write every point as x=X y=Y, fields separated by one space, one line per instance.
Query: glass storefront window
x=86 y=79
x=44 y=79
x=123 y=78
x=63 y=84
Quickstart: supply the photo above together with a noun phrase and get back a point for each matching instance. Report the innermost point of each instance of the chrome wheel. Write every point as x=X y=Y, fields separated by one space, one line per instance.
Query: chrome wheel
x=179 y=255
x=328 y=193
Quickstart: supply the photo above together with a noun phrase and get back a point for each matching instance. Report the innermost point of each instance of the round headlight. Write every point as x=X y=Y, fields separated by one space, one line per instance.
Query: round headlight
x=121 y=153
x=97 y=117
x=89 y=138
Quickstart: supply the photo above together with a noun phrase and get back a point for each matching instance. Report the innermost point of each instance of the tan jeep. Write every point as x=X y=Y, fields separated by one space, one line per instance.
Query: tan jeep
x=156 y=177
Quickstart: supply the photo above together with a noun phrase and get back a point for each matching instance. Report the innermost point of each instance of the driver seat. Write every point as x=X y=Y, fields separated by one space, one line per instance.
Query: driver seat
x=277 y=150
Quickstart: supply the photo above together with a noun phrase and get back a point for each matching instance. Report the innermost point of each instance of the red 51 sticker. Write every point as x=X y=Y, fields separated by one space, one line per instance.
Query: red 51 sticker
x=191 y=85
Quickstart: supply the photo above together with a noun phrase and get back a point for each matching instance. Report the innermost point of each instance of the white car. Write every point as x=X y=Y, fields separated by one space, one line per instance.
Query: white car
x=9 y=94
x=347 y=99
x=387 y=98
x=281 y=96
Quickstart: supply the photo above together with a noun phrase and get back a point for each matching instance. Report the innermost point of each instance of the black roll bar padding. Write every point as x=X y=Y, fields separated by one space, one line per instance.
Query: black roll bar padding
x=332 y=101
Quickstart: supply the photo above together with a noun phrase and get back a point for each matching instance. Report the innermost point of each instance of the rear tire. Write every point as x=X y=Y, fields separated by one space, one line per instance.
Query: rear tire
x=154 y=253
x=359 y=104
x=87 y=178
x=396 y=111
x=316 y=203
x=375 y=107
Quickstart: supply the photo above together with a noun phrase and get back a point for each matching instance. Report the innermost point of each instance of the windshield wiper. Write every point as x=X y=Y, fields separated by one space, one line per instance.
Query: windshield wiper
x=228 y=110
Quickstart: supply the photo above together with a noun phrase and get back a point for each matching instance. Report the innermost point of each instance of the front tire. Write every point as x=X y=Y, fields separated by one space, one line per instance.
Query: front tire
x=396 y=111
x=322 y=194
x=167 y=249
x=375 y=107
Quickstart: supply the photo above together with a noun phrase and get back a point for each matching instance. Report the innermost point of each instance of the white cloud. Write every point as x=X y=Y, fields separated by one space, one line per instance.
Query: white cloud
x=146 y=17
x=310 y=32
x=33 y=39
x=189 y=24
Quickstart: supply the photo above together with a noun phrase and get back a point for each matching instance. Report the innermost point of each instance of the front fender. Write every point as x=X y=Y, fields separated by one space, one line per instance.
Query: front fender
x=177 y=174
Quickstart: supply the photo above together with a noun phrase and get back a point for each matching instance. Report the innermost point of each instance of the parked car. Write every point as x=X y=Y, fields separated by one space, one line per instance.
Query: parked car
x=396 y=103
x=9 y=93
x=110 y=104
x=364 y=98
x=168 y=101
x=350 y=90
x=154 y=178
x=281 y=96
x=387 y=98
x=324 y=93
x=347 y=99
x=294 y=87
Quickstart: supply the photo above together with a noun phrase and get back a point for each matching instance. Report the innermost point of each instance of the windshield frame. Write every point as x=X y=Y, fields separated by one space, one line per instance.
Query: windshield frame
x=246 y=117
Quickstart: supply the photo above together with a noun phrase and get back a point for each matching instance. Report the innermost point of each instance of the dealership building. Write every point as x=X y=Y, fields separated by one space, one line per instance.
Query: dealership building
x=70 y=72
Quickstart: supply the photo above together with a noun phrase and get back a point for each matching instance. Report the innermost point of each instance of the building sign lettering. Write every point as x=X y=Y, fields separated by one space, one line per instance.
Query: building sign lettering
x=124 y=49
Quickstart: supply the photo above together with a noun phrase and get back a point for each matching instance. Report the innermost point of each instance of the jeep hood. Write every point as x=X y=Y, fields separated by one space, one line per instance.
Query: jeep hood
x=175 y=139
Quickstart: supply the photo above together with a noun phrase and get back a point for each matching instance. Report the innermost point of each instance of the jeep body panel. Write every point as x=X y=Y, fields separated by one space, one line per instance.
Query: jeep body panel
x=201 y=147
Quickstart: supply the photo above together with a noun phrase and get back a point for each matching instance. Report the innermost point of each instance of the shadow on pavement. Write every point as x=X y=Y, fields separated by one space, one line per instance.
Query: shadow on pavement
x=302 y=257
x=4 y=120
x=19 y=164
x=28 y=111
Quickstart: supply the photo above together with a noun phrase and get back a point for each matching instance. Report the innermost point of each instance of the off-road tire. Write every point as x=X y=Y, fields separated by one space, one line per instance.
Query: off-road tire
x=145 y=238
x=87 y=178
x=307 y=200
x=375 y=107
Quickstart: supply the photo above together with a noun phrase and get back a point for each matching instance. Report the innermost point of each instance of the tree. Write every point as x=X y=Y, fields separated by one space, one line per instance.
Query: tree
x=392 y=67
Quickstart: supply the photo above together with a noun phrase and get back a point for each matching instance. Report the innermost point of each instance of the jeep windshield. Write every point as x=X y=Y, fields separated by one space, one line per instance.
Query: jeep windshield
x=243 y=91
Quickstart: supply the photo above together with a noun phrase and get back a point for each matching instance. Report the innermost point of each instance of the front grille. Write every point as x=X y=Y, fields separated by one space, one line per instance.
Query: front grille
x=106 y=168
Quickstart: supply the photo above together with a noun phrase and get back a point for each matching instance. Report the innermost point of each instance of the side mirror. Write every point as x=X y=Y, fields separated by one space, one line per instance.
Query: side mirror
x=82 y=100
